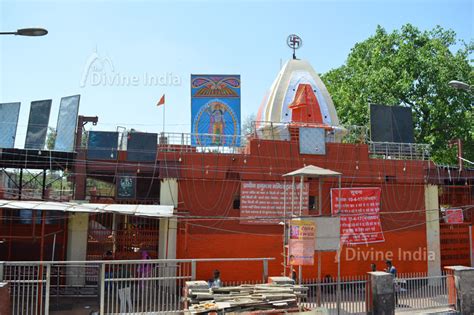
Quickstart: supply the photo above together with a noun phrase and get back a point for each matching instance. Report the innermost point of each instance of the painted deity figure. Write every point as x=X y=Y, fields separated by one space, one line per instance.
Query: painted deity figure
x=216 y=123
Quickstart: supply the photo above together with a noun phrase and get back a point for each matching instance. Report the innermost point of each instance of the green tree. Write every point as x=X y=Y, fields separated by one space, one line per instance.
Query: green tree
x=412 y=68
x=51 y=138
x=248 y=124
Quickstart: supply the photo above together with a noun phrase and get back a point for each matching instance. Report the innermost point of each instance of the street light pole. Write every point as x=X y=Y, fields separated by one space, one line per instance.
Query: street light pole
x=459 y=85
x=32 y=31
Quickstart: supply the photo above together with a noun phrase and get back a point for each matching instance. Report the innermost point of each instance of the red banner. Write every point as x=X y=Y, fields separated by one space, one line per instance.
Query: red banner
x=454 y=216
x=265 y=202
x=302 y=243
x=359 y=212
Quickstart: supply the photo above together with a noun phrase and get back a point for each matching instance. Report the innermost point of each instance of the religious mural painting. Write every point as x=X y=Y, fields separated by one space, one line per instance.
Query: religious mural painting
x=215 y=110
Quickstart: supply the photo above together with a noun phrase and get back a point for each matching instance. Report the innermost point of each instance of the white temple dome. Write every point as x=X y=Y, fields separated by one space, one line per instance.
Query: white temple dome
x=298 y=86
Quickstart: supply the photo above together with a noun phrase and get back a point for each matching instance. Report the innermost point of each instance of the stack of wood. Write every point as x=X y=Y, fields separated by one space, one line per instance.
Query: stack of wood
x=243 y=298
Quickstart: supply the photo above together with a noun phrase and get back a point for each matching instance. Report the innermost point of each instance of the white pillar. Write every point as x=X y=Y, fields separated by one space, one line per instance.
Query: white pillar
x=168 y=226
x=78 y=224
x=432 y=230
x=169 y=192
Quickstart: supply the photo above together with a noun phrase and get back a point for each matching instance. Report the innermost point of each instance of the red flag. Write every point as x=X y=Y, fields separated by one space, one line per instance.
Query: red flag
x=161 y=101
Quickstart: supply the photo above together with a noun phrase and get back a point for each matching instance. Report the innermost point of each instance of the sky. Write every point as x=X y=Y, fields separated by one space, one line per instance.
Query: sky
x=121 y=56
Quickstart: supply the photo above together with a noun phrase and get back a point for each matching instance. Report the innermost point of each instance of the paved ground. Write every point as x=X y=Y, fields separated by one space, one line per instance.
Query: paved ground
x=435 y=310
x=73 y=306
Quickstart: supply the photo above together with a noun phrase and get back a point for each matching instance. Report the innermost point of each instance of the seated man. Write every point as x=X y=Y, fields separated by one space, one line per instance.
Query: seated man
x=215 y=282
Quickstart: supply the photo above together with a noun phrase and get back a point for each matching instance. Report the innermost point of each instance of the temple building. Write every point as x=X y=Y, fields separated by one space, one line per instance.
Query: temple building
x=213 y=194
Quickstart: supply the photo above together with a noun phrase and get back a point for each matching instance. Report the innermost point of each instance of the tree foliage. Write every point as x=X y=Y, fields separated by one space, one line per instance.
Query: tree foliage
x=248 y=124
x=412 y=68
x=51 y=138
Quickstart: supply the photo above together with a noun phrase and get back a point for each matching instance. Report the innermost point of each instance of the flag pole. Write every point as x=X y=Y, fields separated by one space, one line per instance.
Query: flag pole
x=164 y=112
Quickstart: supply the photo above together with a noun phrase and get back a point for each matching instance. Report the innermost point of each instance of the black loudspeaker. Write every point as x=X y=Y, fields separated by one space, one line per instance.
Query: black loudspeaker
x=391 y=124
x=102 y=145
x=402 y=125
x=142 y=146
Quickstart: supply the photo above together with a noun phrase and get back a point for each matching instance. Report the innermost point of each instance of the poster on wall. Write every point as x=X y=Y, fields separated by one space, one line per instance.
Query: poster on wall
x=359 y=213
x=266 y=202
x=302 y=243
x=454 y=216
x=215 y=110
x=126 y=187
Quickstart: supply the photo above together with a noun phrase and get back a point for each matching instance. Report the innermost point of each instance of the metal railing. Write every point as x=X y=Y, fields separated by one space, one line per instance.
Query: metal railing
x=400 y=151
x=268 y=130
x=110 y=287
x=29 y=287
x=204 y=143
x=417 y=291
x=354 y=294
x=279 y=131
x=184 y=142
x=37 y=194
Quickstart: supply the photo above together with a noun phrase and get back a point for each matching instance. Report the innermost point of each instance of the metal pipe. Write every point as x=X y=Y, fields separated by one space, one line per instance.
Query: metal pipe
x=284 y=228
x=43 y=186
x=470 y=246
x=48 y=284
x=102 y=288
x=292 y=196
x=20 y=186
x=339 y=258
x=301 y=195
x=265 y=270
x=140 y=261
x=54 y=247
x=43 y=220
x=320 y=195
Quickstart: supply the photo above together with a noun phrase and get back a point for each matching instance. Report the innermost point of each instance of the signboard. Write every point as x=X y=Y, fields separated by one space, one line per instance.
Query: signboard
x=38 y=124
x=359 y=213
x=141 y=146
x=102 y=145
x=391 y=124
x=328 y=233
x=215 y=110
x=302 y=243
x=454 y=216
x=9 y=113
x=126 y=187
x=312 y=141
x=265 y=202
x=67 y=122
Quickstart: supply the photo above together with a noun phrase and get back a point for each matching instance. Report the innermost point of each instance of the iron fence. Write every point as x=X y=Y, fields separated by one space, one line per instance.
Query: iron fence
x=283 y=131
x=29 y=287
x=268 y=130
x=400 y=151
x=323 y=293
x=419 y=291
x=107 y=286
x=156 y=286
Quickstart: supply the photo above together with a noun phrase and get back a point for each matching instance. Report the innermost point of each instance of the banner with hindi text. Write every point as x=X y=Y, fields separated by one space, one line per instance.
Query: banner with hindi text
x=302 y=243
x=359 y=213
x=267 y=202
